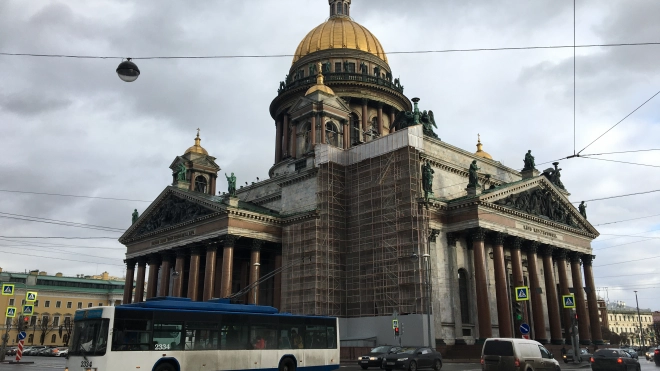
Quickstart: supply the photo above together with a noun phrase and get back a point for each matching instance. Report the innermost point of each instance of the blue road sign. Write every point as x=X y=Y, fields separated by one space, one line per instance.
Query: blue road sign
x=522 y=293
x=569 y=301
x=22 y=335
x=524 y=328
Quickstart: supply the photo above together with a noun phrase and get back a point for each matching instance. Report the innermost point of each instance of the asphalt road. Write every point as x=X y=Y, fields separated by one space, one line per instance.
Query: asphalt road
x=54 y=363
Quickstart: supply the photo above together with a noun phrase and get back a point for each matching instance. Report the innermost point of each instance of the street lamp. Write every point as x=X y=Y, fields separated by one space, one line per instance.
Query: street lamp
x=427 y=268
x=639 y=317
x=128 y=71
x=256 y=287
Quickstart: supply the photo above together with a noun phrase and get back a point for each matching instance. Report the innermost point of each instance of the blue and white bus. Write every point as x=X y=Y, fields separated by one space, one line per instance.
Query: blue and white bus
x=177 y=334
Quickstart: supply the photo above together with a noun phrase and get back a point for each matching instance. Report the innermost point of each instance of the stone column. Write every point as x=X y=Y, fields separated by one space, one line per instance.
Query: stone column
x=277 y=282
x=278 y=141
x=347 y=141
x=209 y=271
x=453 y=286
x=322 y=127
x=483 y=305
x=217 y=280
x=128 y=284
x=502 y=295
x=165 y=268
x=255 y=257
x=381 y=128
x=152 y=283
x=193 y=272
x=285 y=137
x=518 y=278
x=294 y=140
x=537 y=304
x=191 y=186
x=139 y=282
x=563 y=290
x=227 y=265
x=583 y=324
x=313 y=132
x=177 y=284
x=365 y=118
x=551 y=296
x=592 y=300
x=392 y=117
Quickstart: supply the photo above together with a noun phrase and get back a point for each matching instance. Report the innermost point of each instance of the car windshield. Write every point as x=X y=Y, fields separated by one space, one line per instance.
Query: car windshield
x=381 y=349
x=90 y=337
x=407 y=350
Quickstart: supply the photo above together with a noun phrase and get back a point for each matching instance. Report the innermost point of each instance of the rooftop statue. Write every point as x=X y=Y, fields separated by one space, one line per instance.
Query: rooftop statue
x=181 y=173
x=529 y=161
x=136 y=215
x=406 y=119
x=473 y=177
x=554 y=175
x=583 y=209
x=231 y=184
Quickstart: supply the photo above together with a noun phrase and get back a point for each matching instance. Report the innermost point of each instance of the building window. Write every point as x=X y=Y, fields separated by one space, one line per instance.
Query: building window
x=47 y=304
x=11 y=302
x=345 y=9
x=79 y=305
x=23 y=302
x=36 y=303
x=53 y=338
x=44 y=320
x=68 y=304
x=355 y=128
x=337 y=67
x=339 y=9
x=31 y=338
x=100 y=304
x=33 y=321
x=89 y=305
x=200 y=184
x=463 y=295
x=351 y=67
x=58 y=304
x=332 y=134
x=56 y=321
x=67 y=320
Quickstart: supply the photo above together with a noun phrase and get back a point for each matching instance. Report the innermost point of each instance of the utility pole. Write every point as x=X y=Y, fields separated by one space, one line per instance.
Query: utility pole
x=639 y=317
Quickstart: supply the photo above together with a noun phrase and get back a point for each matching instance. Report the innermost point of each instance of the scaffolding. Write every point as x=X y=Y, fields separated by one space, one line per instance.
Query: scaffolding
x=357 y=251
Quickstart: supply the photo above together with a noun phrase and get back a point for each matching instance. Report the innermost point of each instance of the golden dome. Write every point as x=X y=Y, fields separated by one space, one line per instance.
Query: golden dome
x=480 y=152
x=339 y=32
x=319 y=83
x=197 y=148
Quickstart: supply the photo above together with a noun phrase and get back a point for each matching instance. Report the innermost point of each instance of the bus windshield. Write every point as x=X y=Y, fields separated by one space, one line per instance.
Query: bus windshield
x=90 y=337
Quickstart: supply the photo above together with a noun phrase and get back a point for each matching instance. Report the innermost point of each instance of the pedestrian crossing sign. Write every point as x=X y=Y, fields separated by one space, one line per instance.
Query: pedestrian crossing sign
x=28 y=309
x=11 y=312
x=569 y=301
x=7 y=289
x=31 y=296
x=522 y=293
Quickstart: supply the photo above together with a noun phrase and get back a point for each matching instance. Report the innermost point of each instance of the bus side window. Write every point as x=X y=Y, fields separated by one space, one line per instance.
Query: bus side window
x=167 y=336
x=332 y=338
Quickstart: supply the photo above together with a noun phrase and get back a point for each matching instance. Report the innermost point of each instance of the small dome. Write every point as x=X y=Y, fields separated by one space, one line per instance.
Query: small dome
x=319 y=84
x=339 y=32
x=197 y=148
x=480 y=152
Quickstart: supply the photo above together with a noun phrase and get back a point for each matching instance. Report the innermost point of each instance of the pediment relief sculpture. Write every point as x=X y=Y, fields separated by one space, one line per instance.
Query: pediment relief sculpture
x=171 y=211
x=542 y=203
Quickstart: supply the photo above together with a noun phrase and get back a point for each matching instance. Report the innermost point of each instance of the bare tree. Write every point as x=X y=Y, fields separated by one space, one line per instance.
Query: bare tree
x=66 y=329
x=46 y=326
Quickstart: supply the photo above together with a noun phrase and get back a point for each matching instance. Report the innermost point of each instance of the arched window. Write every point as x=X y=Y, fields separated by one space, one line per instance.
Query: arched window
x=53 y=338
x=306 y=138
x=339 y=8
x=355 y=128
x=200 y=184
x=463 y=295
x=345 y=9
x=332 y=134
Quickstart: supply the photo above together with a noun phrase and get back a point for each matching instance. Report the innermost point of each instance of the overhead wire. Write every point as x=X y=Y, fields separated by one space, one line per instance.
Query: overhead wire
x=618 y=196
x=77 y=196
x=60 y=222
x=627 y=261
x=66 y=259
x=621 y=162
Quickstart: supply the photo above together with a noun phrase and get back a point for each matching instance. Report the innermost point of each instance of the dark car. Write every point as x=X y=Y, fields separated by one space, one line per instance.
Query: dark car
x=584 y=355
x=656 y=356
x=413 y=358
x=613 y=359
x=375 y=356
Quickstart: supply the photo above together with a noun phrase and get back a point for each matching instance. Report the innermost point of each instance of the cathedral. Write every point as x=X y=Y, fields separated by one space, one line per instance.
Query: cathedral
x=367 y=215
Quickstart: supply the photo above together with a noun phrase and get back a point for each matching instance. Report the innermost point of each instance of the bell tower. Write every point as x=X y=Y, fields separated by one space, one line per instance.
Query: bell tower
x=340 y=8
x=195 y=170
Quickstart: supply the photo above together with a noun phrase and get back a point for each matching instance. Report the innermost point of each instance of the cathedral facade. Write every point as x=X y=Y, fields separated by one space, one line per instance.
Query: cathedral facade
x=368 y=216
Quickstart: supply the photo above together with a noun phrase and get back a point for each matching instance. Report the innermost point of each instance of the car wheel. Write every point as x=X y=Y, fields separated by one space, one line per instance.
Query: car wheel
x=364 y=367
x=412 y=366
x=287 y=365
x=437 y=365
x=165 y=366
x=565 y=361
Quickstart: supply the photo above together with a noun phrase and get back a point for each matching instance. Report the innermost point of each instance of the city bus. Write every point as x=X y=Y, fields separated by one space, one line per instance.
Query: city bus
x=177 y=334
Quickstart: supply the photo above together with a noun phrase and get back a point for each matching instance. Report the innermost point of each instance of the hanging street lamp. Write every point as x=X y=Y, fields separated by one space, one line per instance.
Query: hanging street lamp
x=128 y=71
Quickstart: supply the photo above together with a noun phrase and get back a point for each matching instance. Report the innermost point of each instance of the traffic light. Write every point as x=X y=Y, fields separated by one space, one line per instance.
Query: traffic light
x=26 y=320
x=574 y=317
x=396 y=331
x=517 y=311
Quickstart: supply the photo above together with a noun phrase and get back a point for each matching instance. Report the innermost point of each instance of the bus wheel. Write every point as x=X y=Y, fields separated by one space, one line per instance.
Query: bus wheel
x=165 y=366
x=287 y=364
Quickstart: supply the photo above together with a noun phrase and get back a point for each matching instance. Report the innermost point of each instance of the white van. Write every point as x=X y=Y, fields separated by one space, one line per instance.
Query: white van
x=506 y=354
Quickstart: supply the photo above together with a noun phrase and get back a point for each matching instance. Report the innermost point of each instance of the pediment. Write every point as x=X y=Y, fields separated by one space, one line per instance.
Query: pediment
x=173 y=207
x=539 y=198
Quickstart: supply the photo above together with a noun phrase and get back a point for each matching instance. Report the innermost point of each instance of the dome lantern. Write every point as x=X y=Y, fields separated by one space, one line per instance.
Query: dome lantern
x=480 y=152
x=340 y=8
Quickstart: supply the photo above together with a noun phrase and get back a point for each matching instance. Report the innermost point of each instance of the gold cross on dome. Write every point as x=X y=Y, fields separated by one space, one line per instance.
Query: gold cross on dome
x=197 y=132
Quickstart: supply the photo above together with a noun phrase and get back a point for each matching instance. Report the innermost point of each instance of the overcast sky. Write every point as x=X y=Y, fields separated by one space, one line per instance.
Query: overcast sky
x=70 y=126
